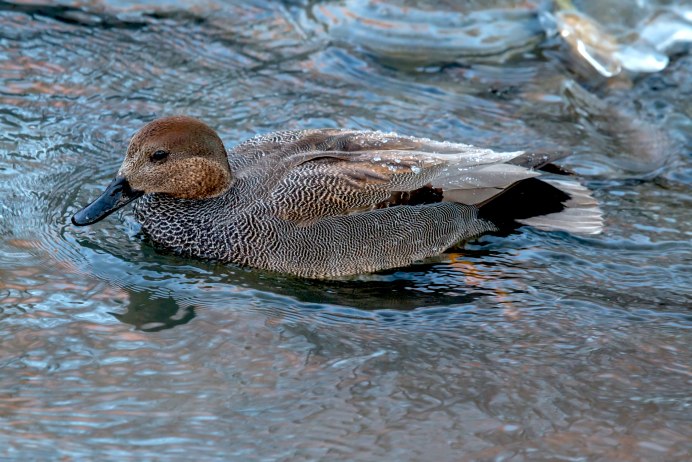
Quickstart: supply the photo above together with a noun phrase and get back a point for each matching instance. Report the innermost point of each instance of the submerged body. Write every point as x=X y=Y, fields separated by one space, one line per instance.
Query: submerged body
x=329 y=203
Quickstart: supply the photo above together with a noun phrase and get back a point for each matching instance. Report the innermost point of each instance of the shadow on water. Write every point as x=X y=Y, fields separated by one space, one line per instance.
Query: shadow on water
x=100 y=20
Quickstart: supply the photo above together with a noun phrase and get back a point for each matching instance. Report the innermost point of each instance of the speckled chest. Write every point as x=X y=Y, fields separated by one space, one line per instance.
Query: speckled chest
x=190 y=227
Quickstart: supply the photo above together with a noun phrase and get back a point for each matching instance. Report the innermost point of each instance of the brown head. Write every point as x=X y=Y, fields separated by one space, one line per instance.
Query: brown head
x=179 y=156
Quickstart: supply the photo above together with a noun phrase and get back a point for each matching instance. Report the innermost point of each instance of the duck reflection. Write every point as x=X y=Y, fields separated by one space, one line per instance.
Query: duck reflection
x=150 y=313
x=173 y=298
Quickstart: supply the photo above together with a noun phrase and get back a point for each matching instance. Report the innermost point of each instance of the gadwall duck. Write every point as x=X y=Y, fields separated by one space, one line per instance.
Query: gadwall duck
x=328 y=203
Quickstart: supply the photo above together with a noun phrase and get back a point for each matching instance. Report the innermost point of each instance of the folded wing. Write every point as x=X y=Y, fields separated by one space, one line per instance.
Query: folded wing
x=368 y=170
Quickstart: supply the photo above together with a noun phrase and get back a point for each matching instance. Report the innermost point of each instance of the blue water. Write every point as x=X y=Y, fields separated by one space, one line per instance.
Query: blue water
x=533 y=346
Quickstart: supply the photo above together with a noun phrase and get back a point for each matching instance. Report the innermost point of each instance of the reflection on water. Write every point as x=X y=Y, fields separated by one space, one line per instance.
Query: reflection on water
x=534 y=345
x=149 y=313
x=409 y=35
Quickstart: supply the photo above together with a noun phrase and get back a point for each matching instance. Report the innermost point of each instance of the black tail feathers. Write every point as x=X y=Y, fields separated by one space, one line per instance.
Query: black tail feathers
x=548 y=204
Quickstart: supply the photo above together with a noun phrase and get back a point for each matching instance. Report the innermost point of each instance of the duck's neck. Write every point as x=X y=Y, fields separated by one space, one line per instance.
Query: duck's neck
x=201 y=228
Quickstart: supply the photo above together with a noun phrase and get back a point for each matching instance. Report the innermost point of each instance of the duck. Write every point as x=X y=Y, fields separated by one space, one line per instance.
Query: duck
x=330 y=203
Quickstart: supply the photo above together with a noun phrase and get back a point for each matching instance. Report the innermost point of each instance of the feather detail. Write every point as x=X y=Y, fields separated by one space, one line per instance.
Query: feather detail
x=581 y=214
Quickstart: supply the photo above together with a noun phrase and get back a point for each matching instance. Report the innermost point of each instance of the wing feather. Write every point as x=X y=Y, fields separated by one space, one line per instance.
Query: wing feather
x=320 y=173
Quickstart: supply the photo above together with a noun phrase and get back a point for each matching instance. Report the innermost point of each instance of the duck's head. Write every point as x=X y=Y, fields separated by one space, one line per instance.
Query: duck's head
x=178 y=156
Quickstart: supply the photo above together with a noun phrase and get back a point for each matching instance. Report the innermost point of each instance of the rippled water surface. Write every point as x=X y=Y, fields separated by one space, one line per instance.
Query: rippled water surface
x=533 y=346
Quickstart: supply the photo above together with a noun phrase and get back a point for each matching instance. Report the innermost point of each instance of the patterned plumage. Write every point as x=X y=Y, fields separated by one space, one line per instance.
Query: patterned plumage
x=329 y=203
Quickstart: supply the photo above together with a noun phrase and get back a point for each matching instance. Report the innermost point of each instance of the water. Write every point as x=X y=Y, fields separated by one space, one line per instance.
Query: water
x=533 y=346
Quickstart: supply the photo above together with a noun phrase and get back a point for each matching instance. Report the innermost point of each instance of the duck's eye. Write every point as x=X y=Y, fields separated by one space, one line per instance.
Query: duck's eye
x=159 y=155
